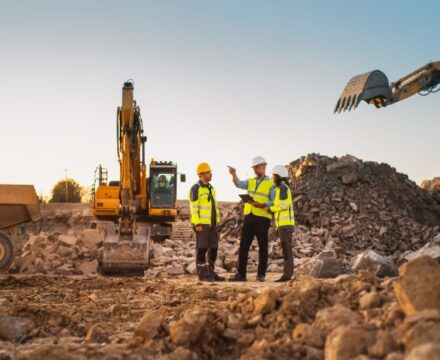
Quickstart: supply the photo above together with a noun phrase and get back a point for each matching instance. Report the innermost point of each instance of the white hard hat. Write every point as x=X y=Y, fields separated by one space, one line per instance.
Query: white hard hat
x=280 y=170
x=258 y=160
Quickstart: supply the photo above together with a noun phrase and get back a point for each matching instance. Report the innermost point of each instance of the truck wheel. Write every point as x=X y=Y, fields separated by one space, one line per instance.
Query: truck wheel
x=6 y=252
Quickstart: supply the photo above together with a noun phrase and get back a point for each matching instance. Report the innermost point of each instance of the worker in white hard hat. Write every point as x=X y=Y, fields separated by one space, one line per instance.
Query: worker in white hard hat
x=256 y=217
x=283 y=213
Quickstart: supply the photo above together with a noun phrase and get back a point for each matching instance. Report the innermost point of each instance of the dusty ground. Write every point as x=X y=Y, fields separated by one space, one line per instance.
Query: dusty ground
x=61 y=310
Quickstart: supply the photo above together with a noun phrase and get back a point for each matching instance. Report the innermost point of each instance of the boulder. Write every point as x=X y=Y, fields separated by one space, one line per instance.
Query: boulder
x=149 y=325
x=418 y=286
x=371 y=261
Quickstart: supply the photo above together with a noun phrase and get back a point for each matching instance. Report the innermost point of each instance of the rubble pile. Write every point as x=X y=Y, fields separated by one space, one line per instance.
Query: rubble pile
x=363 y=205
x=61 y=254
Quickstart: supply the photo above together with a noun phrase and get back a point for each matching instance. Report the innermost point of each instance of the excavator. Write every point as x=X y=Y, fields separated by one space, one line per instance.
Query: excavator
x=142 y=205
x=373 y=87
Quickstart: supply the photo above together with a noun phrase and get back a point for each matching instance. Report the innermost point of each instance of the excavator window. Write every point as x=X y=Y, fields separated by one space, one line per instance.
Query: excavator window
x=163 y=188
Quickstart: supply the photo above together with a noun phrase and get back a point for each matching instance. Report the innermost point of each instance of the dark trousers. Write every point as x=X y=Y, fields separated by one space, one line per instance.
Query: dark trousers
x=206 y=247
x=259 y=227
x=286 y=245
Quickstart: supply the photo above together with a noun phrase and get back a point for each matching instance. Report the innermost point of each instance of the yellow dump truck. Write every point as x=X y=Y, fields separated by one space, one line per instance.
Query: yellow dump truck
x=18 y=204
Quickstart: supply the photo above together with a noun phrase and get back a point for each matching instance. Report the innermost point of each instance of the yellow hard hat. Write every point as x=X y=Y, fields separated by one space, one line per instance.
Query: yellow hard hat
x=202 y=168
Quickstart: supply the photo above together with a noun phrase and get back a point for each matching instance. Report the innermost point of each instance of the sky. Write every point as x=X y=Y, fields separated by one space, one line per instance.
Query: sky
x=217 y=81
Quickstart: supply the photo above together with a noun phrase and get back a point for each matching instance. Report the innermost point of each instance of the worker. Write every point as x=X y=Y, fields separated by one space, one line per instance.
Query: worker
x=162 y=186
x=204 y=218
x=256 y=217
x=283 y=214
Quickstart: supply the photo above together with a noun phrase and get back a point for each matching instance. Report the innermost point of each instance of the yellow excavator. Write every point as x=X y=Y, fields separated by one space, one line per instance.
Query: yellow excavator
x=143 y=205
x=373 y=87
x=18 y=204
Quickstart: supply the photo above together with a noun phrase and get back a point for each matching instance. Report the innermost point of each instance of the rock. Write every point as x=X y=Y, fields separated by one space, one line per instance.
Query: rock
x=192 y=268
x=428 y=249
x=266 y=301
x=188 y=329
x=230 y=262
x=308 y=335
x=371 y=261
x=93 y=238
x=180 y=353
x=347 y=342
x=149 y=325
x=67 y=240
x=384 y=345
x=176 y=270
x=96 y=335
x=418 y=287
x=429 y=351
x=422 y=327
x=13 y=328
x=90 y=267
x=330 y=318
x=324 y=265
x=370 y=300
x=350 y=178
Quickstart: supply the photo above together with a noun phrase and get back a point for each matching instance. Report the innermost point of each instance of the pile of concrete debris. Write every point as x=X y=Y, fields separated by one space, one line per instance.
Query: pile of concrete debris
x=61 y=254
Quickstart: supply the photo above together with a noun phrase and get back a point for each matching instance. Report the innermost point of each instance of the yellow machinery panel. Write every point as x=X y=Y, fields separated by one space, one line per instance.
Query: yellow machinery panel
x=106 y=201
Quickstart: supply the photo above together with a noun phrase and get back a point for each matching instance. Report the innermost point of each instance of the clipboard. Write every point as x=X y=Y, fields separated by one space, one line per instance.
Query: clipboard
x=246 y=197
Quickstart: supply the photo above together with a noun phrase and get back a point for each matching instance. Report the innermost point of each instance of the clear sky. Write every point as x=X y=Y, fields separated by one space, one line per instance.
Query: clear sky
x=217 y=81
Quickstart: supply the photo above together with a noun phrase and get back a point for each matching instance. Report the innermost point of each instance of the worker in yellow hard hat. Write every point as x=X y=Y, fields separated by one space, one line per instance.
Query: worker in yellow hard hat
x=204 y=218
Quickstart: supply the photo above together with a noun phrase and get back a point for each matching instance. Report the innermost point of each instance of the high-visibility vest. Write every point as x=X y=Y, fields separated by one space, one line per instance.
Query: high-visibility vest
x=201 y=198
x=260 y=193
x=283 y=206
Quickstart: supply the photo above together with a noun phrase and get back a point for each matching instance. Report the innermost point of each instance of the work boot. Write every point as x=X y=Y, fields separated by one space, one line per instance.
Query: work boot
x=282 y=279
x=203 y=272
x=212 y=272
x=238 y=278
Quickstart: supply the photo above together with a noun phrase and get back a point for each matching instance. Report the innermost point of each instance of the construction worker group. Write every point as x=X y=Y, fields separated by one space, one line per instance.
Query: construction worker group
x=270 y=198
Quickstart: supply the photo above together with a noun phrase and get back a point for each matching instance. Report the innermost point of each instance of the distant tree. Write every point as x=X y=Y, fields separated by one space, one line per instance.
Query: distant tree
x=73 y=191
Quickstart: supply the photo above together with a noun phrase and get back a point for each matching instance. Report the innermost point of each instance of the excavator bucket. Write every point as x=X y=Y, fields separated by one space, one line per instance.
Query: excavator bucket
x=126 y=253
x=370 y=86
x=18 y=204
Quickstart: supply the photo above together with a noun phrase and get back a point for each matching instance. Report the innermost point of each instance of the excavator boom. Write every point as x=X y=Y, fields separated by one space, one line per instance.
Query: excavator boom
x=373 y=87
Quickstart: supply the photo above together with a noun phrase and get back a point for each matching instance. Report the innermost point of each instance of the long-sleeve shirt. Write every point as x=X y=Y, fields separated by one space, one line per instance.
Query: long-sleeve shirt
x=243 y=184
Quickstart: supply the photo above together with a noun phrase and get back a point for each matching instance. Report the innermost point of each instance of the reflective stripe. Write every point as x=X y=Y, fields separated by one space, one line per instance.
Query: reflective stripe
x=205 y=207
x=204 y=217
x=281 y=218
x=253 y=193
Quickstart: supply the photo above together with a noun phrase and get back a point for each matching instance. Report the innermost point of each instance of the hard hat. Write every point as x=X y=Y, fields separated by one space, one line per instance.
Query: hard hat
x=258 y=160
x=280 y=170
x=202 y=168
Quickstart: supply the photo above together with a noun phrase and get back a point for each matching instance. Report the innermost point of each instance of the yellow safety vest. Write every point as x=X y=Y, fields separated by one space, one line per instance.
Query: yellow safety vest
x=200 y=204
x=283 y=209
x=260 y=194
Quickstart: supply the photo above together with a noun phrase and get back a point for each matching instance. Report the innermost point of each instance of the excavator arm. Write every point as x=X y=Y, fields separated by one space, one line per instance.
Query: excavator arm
x=373 y=87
